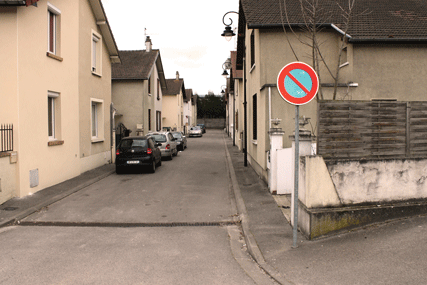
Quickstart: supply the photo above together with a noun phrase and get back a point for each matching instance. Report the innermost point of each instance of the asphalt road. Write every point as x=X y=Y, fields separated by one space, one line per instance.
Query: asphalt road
x=176 y=226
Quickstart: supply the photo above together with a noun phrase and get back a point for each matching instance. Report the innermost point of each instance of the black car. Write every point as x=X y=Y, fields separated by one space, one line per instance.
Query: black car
x=138 y=152
x=203 y=127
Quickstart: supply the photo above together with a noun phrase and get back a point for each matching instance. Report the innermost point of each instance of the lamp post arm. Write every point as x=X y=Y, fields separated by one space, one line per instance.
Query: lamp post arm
x=231 y=21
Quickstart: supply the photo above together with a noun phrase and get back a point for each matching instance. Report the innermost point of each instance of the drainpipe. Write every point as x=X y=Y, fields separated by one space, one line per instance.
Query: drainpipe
x=269 y=108
x=245 y=144
x=112 y=130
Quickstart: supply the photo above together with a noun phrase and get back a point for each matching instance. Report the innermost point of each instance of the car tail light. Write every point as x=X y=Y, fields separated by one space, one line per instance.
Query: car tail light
x=168 y=146
x=149 y=151
x=117 y=152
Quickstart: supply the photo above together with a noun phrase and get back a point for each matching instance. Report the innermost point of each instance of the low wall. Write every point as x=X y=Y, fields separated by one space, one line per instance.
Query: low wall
x=328 y=189
x=214 y=123
x=8 y=179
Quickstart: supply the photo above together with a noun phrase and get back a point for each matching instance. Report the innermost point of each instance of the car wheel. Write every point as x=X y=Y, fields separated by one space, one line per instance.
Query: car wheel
x=153 y=167
x=160 y=162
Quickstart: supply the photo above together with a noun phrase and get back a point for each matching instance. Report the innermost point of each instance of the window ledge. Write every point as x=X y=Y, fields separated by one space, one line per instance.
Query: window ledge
x=54 y=56
x=97 y=140
x=252 y=68
x=96 y=74
x=254 y=142
x=55 y=142
x=5 y=154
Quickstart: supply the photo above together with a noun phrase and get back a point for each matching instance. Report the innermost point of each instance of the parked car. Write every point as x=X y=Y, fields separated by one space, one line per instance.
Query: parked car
x=181 y=140
x=133 y=152
x=202 y=126
x=168 y=143
x=195 y=132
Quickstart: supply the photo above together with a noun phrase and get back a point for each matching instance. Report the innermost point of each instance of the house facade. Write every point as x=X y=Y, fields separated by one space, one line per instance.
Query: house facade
x=385 y=59
x=56 y=91
x=138 y=87
x=188 y=110
x=173 y=104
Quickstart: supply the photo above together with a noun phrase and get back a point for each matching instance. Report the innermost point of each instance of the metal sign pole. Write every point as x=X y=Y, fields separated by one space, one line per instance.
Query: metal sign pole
x=296 y=178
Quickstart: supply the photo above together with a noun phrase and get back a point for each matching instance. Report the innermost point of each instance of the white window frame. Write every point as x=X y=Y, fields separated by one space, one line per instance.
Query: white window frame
x=96 y=120
x=96 y=53
x=52 y=117
x=55 y=11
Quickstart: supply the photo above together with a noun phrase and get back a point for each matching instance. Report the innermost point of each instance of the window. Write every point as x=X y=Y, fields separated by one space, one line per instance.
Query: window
x=96 y=53
x=149 y=119
x=53 y=115
x=255 y=120
x=53 y=20
x=97 y=119
x=158 y=89
x=149 y=86
x=158 y=120
x=94 y=120
x=252 y=49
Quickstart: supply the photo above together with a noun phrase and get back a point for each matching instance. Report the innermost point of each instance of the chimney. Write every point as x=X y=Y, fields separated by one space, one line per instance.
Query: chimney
x=148 y=44
x=177 y=75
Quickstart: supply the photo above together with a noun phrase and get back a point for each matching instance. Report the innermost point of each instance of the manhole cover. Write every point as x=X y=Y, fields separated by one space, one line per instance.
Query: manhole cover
x=10 y=208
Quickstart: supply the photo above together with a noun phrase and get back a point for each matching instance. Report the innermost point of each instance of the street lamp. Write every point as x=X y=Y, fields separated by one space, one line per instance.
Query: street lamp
x=228 y=34
x=226 y=66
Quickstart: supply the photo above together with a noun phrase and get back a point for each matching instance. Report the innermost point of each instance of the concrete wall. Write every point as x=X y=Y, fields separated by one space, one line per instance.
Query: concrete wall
x=342 y=194
x=214 y=123
x=92 y=86
x=127 y=99
x=31 y=74
x=8 y=171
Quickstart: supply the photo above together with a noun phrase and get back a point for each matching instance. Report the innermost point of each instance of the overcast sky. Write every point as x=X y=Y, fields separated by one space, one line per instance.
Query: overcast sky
x=187 y=33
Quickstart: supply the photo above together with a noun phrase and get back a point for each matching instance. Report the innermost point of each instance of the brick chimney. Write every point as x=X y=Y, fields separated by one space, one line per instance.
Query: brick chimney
x=148 y=44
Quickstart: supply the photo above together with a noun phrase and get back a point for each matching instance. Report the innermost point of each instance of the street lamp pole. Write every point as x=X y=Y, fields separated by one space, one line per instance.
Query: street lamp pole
x=228 y=34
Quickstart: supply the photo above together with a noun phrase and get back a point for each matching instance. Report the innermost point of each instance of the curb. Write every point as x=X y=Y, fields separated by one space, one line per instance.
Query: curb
x=251 y=243
x=25 y=213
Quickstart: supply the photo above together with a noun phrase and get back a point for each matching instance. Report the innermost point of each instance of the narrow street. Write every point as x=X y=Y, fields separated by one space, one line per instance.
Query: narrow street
x=176 y=226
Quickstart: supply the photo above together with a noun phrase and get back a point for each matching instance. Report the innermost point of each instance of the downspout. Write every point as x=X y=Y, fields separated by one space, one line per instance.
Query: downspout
x=269 y=108
x=112 y=130
x=234 y=117
x=245 y=144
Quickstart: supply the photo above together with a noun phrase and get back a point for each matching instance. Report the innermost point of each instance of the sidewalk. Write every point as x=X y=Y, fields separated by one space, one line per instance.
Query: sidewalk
x=387 y=253
x=18 y=208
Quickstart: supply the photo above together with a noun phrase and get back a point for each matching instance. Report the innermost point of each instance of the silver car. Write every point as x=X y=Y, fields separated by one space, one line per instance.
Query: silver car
x=168 y=143
x=195 y=132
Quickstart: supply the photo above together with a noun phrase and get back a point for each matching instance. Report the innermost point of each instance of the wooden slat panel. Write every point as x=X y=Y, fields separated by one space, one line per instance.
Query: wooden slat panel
x=348 y=129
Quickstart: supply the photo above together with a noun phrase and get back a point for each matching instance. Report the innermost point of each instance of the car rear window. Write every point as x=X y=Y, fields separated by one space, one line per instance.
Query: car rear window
x=177 y=135
x=159 y=138
x=133 y=143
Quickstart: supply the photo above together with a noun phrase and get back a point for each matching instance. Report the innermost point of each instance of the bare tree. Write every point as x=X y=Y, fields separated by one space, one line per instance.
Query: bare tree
x=314 y=16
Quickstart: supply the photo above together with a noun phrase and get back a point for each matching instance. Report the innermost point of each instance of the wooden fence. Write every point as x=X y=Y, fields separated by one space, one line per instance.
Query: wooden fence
x=372 y=129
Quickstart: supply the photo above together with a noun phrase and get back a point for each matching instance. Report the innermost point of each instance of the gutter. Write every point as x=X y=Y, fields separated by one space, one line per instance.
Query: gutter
x=333 y=26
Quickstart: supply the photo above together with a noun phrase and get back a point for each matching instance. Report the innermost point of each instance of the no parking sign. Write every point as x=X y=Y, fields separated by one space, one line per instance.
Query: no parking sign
x=297 y=83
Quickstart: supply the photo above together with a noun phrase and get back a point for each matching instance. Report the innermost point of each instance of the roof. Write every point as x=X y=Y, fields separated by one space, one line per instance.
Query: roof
x=174 y=87
x=104 y=26
x=138 y=65
x=12 y=2
x=379 y=20
x=188 y=95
